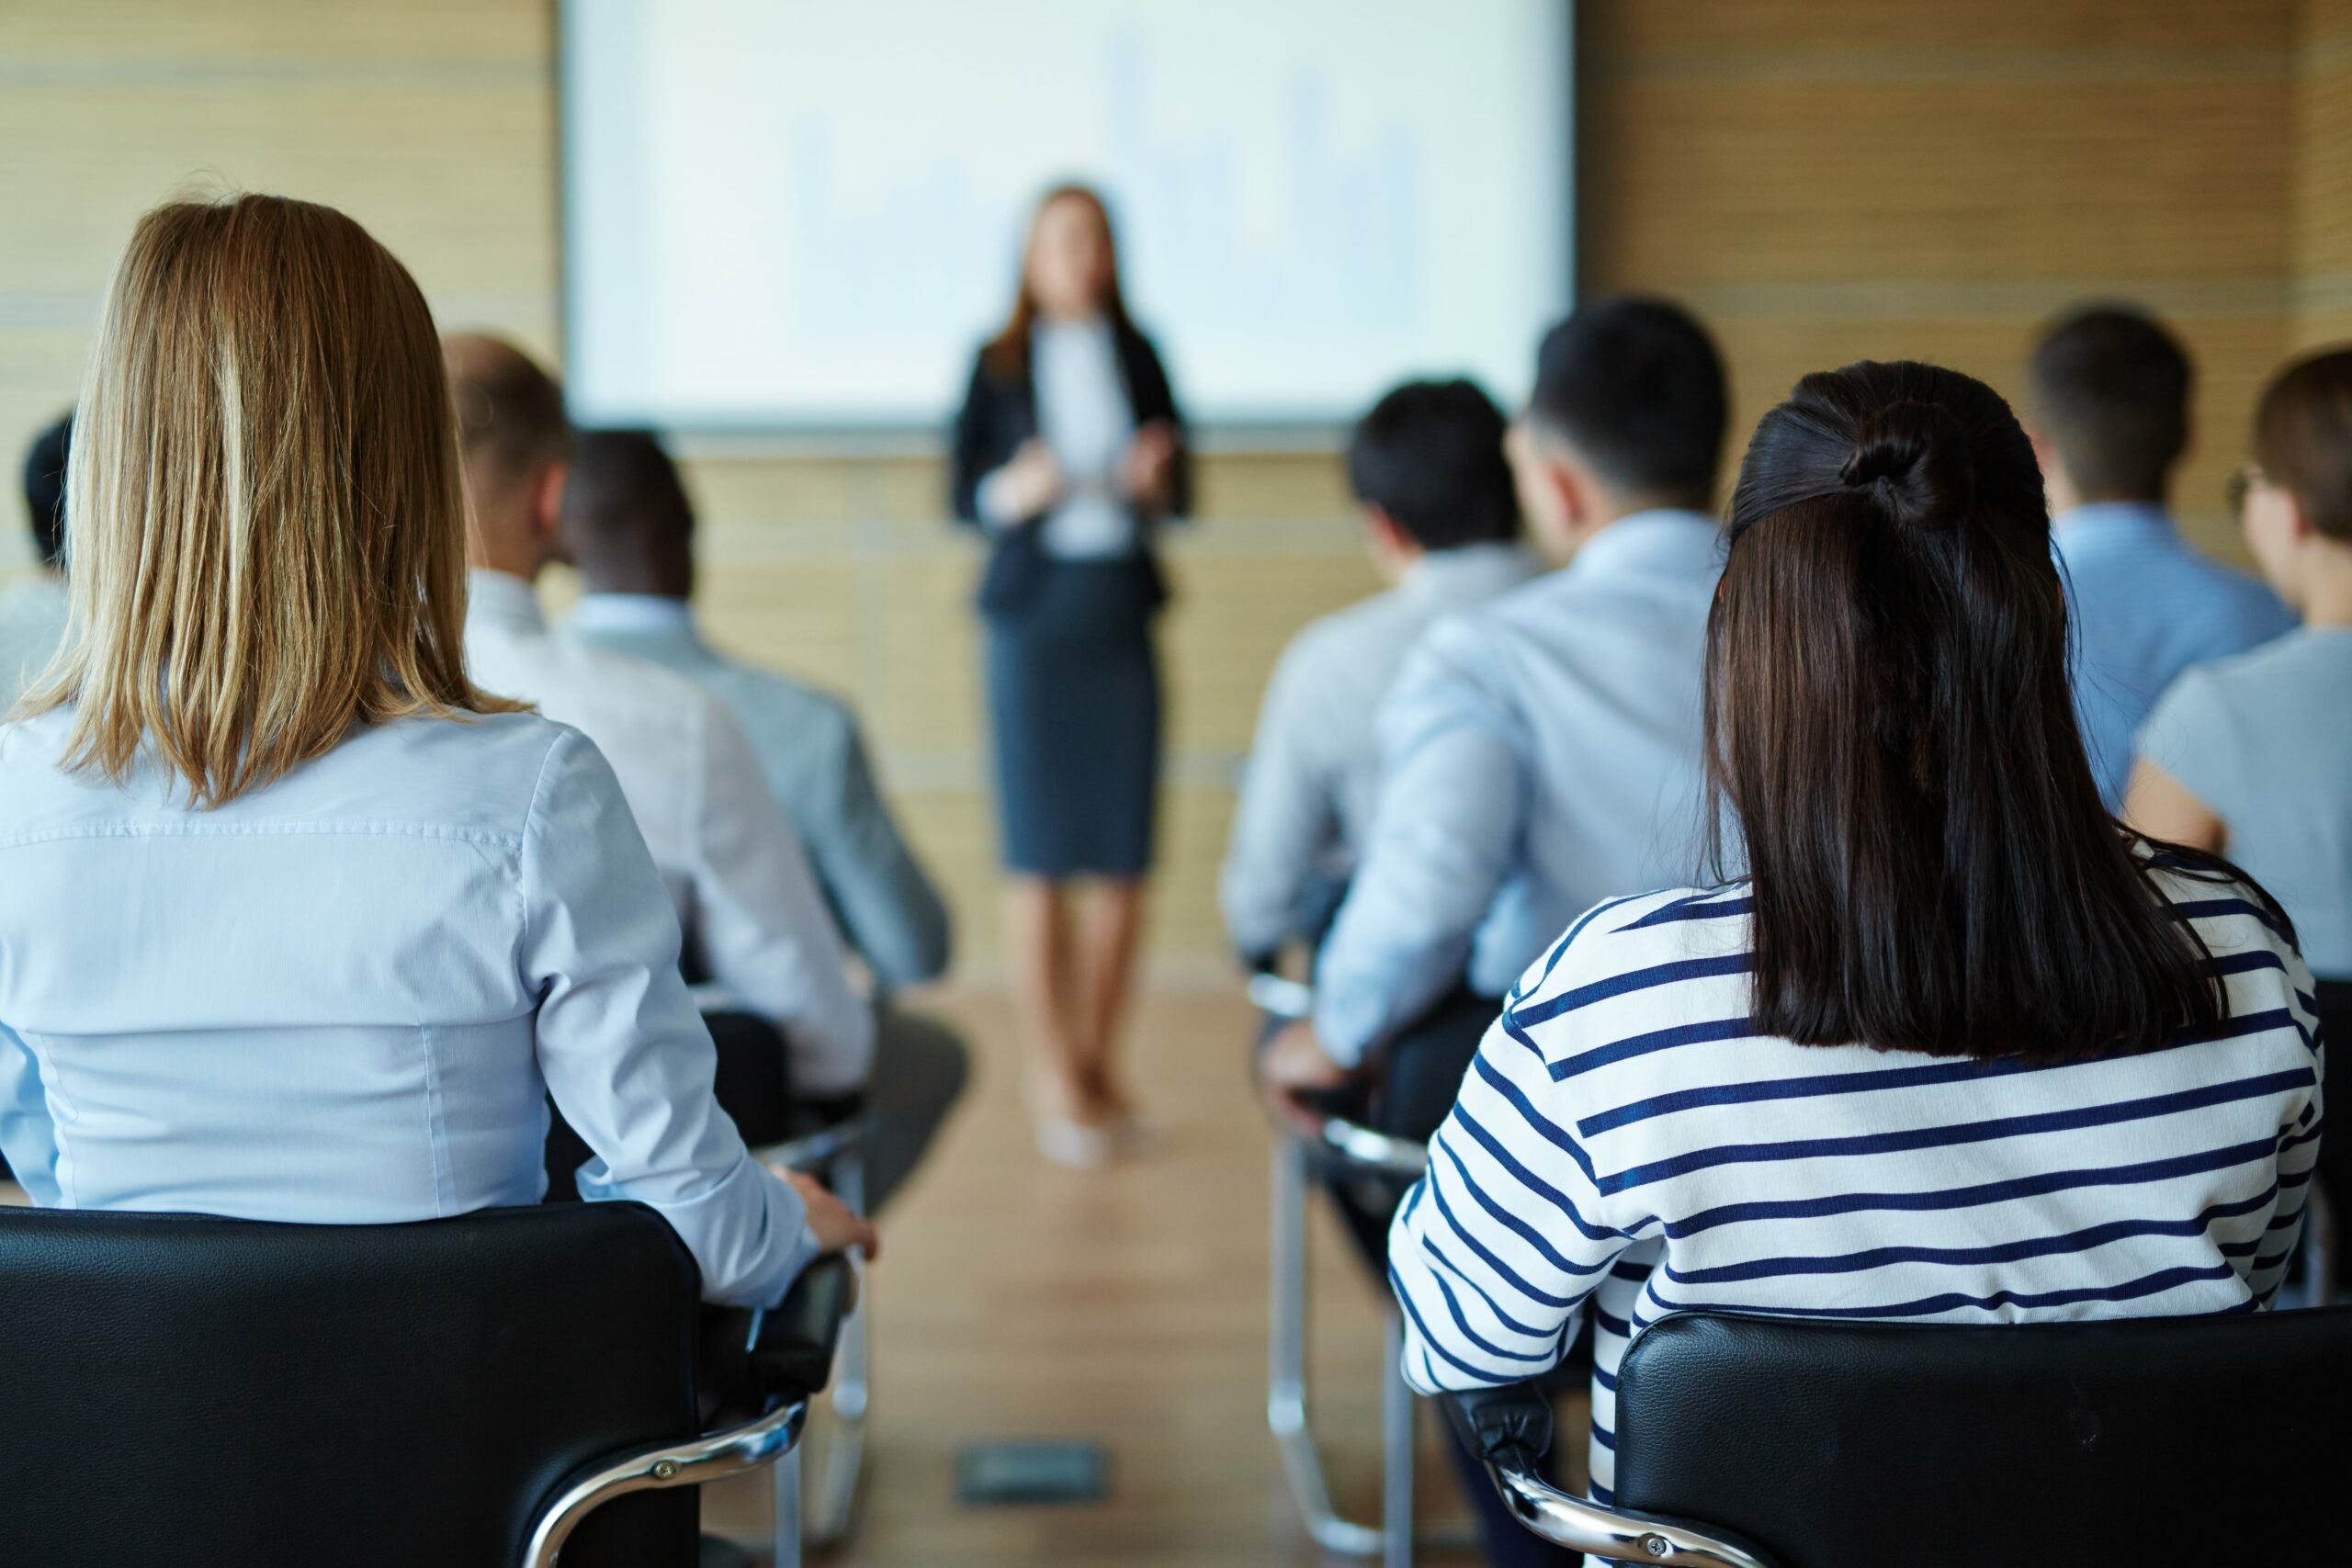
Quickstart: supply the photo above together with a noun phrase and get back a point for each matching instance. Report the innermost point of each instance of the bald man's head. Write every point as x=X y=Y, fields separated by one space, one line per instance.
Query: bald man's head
x=516 y=441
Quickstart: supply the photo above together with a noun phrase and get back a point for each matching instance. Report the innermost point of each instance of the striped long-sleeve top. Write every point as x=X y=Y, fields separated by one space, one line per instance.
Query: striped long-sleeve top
x=1627 y=1143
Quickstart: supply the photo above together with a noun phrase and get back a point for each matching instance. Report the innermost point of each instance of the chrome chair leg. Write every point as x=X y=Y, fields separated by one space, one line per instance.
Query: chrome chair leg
x=1397 y=1411
x=772 y=1440
x=834 y=1506
x=1286 y=1401
x=787 y=1479
x=837 y=1153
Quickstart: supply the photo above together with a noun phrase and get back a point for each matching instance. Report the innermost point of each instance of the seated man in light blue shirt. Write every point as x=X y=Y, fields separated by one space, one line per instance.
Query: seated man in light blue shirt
x=1540 y=753
x=629 y=527
x=2109 y=401
x=1441 y=525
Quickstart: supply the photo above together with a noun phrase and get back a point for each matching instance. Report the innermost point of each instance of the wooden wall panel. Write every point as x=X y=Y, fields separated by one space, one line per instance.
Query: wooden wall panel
x=1829 y=179
x=1997 y=38
x=2323 y=314
x=432 y=122
x=1823 y=179
x=1799 y=179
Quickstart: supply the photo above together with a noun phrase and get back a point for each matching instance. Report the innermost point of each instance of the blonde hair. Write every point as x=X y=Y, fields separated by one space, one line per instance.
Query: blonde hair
x=265 y=519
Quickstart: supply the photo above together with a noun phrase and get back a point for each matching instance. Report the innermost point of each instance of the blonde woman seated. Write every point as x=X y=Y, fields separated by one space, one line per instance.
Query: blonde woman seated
x=299 y=925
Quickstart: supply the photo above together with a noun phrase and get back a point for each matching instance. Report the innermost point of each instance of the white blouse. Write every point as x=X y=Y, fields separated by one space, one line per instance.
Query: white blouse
x=1084 y=416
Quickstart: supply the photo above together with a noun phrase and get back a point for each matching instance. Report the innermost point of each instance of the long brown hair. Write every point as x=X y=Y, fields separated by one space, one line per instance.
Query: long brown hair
x=263 y=511
x=1007 y=353
x=1889 y=716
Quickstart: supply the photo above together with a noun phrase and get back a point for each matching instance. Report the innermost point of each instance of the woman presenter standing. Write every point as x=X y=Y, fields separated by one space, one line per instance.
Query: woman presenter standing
x=1069 y=454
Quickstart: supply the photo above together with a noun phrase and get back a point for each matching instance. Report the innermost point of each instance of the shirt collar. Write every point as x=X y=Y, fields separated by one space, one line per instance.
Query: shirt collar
x=1436 y=573
x=2111 y=522
x=633 y=614
x=503 y=601
x=1663 y=537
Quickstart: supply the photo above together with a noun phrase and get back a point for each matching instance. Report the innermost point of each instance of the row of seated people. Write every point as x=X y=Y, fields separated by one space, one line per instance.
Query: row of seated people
x=1890 y=1043
x=389 y=865
x=1940 y=1039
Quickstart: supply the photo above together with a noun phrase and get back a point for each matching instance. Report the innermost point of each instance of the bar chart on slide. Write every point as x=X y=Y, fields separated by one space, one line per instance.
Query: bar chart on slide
x=755 y=240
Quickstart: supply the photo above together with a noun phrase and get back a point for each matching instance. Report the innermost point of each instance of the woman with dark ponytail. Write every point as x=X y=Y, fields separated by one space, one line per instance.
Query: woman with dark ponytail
x=1954 y=1046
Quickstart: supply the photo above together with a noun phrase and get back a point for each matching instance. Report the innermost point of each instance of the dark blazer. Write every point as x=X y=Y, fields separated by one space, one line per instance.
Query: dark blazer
x=999 y=414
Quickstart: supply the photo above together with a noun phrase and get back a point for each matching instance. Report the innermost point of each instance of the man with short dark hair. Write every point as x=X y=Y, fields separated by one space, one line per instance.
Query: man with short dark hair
x=32 y=612
x=629 y=527
x=2109 y=403
x=1441 y=523
x=1538 y=754
x=1543 y=752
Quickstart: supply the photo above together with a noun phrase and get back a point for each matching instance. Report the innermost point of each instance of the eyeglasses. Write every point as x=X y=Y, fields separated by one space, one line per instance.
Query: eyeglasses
x=2241 y=482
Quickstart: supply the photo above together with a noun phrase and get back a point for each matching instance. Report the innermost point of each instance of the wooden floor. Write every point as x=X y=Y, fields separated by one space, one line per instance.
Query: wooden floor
x=1126 y=1306
x=1017 y=1299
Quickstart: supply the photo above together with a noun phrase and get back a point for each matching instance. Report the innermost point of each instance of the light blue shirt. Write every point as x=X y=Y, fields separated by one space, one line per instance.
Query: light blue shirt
x=2264 y=741
x=345 y=997
x=1538 y=755
x=32 y=622
x=810 y=748
x=1313 y=783
x=2146 y=605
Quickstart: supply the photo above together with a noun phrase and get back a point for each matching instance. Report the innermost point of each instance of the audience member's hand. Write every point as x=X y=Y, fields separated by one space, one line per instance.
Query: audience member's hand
x=1294 y=1062
x=1151 y=465
x=1035 y=478
x=837 y=1227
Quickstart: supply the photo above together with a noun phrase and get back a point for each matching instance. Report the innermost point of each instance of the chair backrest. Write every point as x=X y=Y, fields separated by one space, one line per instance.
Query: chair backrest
x=1856 y=1445
x=176 y=1389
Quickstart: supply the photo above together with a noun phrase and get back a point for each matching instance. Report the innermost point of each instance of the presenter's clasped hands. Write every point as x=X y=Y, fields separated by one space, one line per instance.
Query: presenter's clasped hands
x=1034 y=480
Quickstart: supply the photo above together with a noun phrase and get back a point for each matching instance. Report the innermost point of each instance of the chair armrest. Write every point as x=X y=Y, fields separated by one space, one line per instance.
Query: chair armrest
x=1334 y=1136
x=772 y=1361
x=779 y=1355
x=792 y=1343
x=1511 y=1424
x=1509 y=1428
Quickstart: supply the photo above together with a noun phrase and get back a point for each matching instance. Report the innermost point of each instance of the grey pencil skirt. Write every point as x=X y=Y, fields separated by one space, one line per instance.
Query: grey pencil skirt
x=1074 y=705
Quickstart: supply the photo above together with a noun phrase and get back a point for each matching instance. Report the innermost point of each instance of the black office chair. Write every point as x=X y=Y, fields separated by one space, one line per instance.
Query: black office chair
x=1766 y=1442
x=482 y=1392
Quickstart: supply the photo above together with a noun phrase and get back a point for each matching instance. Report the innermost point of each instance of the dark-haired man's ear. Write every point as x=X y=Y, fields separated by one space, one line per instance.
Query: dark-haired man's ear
x=1550 y=497
x=1392 y=548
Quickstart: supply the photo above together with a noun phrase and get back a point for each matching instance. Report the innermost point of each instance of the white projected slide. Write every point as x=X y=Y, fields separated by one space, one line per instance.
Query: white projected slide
x=784 y=215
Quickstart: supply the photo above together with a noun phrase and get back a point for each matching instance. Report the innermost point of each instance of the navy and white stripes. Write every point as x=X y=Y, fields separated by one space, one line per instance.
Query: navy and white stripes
x=1625 y=1144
